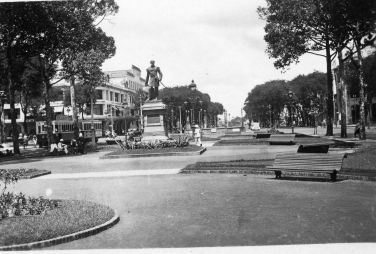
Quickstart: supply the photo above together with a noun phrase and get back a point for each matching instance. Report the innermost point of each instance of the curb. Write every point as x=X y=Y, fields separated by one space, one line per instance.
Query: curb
x=268 y=172
x=65 y=238
x=47 y=172
x=155 y=154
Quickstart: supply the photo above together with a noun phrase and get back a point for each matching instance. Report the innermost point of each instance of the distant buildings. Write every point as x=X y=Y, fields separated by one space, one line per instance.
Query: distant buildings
x=114 y=101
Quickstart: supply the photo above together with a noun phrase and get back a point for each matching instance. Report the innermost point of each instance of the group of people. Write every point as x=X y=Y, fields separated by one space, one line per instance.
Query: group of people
x=24 y=139
x=74 y=146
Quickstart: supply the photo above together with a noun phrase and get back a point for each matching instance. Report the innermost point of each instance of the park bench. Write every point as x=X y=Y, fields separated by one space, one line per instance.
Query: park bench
x=282 y=139
x=308 y=162
x=314 y=148
x=262 y=135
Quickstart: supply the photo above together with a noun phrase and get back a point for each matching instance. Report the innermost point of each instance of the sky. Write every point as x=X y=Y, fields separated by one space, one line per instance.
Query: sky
x=217 y=43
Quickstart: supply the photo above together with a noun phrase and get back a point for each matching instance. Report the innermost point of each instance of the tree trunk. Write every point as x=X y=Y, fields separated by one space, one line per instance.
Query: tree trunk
x=24 y=111
x=46 y=93
x=74 y=108
x=16 y=147
x=362 y=92
x=329 y=105
x=11 y=91
x=342 y=95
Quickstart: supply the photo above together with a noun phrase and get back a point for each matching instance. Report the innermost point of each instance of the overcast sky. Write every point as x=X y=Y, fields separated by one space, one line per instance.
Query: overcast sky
x=218 y=43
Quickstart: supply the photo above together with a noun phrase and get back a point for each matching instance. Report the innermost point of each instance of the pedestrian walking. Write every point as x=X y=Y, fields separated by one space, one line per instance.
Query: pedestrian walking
x=357 y=129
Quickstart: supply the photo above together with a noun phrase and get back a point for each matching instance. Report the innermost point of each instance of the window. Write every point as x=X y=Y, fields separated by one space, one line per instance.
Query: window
x=116 y=97
x=98 y=109
x=7 y=114
x=99 y=94
x=111 y=96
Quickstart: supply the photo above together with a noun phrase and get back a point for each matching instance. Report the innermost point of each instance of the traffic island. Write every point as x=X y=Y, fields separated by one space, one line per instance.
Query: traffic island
x=71 y=220
x=167 y=151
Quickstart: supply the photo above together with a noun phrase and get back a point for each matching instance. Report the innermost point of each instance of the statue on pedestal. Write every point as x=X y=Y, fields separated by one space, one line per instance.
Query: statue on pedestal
x=153 y=77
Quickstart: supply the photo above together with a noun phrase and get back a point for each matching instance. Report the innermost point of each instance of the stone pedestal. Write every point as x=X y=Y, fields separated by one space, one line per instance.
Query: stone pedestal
x=153 y=120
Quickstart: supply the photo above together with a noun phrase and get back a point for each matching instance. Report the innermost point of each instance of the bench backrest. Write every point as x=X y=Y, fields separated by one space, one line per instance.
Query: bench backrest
x=263 y=135
x=282 y=137
x=309 y=161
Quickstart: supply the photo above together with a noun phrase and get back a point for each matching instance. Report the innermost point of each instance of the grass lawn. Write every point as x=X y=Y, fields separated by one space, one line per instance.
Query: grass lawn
x=362 y=160
x=190 y=148
x=241 y=166
x=71 y=216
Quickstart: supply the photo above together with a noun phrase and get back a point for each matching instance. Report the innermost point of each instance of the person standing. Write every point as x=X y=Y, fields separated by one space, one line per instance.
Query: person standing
x=197 y=135
x=25 y=141
x=35 y=140
x=81 y=144
x=153 y=77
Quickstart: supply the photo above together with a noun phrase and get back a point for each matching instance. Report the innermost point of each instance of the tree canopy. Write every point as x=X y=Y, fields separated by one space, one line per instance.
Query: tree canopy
x=269 y=101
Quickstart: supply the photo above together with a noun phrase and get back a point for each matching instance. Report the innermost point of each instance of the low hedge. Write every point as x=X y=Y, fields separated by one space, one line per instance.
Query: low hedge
x=190 y=148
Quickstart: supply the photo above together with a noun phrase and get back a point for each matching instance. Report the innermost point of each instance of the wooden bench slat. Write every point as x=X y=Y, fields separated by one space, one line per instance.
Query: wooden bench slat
x=301 y=162
x=282 y=138
x=304 y=168
x=310 y=155
x=305 y=163
x=309 y=165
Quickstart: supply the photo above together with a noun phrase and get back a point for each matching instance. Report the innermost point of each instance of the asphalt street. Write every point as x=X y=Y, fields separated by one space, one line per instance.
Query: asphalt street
x=93 y=162
x=165 y=211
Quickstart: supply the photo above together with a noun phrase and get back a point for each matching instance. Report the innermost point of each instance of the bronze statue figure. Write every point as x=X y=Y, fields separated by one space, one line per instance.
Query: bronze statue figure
x=154 y=75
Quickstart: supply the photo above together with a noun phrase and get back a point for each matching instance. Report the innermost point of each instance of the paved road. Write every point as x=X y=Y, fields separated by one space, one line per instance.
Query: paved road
x=220 y=210
x=93 y=163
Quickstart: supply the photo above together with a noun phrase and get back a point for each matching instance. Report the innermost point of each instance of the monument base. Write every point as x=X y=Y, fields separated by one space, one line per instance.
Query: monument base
x=153 y=120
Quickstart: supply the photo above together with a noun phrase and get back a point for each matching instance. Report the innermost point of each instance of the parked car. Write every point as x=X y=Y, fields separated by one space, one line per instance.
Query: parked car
x=255 y=126
x=5 y=150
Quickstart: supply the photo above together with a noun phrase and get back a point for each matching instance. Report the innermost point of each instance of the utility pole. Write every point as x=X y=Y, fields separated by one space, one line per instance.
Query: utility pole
x=141 y=117
x=92 y=119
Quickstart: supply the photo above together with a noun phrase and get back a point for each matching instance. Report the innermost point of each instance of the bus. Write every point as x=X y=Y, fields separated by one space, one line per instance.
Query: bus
x=63 y=129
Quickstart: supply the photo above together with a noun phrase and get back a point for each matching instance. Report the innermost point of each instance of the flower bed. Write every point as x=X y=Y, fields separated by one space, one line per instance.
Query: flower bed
x=190 y=148
x=69 y=217
x=30 y=172
x=12 y=204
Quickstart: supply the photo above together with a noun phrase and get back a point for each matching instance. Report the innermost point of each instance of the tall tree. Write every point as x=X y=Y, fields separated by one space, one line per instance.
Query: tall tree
x=21 y=27
x=296 y=27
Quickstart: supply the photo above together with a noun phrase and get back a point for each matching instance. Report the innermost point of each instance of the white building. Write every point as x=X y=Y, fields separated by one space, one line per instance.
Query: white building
x=114 y=101
x=116 y=98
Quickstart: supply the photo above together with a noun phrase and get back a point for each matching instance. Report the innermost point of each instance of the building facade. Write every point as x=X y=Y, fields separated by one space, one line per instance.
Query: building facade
x=114 y=102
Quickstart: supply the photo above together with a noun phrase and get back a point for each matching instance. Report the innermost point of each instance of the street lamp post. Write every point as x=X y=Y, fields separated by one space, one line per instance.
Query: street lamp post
x=141 y=116
x=200 y=114
x=192 y=100
x=172 y=119
x=181 y=130
x=2 y=98
x=203 y=121
x=291 y=94
x=270 y=116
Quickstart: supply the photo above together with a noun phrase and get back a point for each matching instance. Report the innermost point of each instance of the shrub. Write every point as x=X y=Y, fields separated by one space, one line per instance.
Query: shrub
x=157 y=144
x=18 y=204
